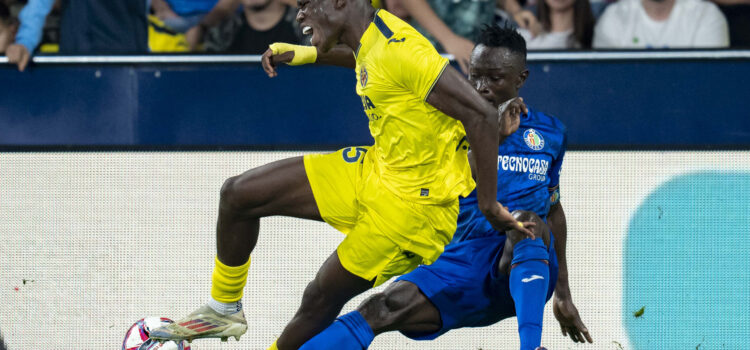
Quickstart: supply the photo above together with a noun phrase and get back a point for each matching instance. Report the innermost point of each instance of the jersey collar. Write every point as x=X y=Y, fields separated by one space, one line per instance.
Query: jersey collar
x=369 y=38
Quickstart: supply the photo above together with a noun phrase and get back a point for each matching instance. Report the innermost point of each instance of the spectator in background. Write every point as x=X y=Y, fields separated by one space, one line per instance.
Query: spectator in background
x=524 y=18
x=193 y=17
x=261 y=23
x=451 y=25
x=657 y=24
x=8 y=27
x=737 y=13
x=566 y=24
x=86 y=27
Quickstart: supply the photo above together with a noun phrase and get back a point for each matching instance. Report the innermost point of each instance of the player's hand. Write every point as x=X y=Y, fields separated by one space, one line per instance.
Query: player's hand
x=290 y=54
x=461 y=49
x=528 y=21
x=570 y=322
x=19 y=55
x=510 y=116
x=502 y=220
x=269 y=61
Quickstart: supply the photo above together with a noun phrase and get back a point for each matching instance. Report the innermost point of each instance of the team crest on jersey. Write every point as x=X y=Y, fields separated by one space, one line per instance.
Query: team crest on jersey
x=363 y=76
x=533 y=139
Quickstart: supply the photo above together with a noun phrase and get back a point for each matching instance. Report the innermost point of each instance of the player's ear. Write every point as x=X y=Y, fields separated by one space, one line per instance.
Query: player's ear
x=522 y=79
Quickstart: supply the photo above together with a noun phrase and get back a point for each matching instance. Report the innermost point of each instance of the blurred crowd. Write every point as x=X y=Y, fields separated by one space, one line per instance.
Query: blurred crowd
x=249 y=26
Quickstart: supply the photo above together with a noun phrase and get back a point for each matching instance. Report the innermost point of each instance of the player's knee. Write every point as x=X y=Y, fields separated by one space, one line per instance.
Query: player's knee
x=386 y=309
x=315 y=301
x=540 y=230
x=379 y=311
x=234 y=194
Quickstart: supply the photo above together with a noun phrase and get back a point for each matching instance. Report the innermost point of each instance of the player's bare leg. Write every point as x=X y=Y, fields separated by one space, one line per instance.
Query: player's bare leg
x=322 y=301
x=401 y=306
x=278 y=188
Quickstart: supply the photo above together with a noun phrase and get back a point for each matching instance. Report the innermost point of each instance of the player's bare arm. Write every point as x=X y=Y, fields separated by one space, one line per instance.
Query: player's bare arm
x=455 y=97
x=340 y=55
x=565 y=311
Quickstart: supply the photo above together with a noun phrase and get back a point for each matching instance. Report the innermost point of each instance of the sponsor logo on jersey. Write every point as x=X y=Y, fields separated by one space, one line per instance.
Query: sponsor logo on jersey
x=533 y=139
x=536 y=168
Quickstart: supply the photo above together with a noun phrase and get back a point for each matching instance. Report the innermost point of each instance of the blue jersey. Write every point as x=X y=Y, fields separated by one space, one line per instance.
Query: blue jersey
x=528 y=174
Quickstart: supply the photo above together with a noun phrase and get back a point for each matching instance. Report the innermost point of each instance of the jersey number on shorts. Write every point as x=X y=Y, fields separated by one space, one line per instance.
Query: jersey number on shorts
x=353 y=159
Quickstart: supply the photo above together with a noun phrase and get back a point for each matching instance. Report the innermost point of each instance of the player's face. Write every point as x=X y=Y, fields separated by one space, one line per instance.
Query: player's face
x=496 y=73
x=321 y=19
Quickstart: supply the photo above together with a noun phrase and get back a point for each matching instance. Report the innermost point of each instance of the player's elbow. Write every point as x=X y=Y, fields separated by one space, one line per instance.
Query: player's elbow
x=487 y=207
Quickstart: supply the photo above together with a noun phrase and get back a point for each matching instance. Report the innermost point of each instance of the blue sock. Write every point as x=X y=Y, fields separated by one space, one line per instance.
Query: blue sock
x=348 y=332
x=529 y=281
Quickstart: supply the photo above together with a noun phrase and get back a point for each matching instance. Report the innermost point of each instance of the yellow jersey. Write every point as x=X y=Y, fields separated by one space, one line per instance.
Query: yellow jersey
x=420 y=154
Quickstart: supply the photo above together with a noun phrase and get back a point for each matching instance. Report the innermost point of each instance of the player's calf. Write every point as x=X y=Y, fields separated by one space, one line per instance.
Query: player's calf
x=322 y=300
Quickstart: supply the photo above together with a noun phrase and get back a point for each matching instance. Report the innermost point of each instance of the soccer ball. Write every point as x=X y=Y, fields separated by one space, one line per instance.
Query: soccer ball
x=137 y=336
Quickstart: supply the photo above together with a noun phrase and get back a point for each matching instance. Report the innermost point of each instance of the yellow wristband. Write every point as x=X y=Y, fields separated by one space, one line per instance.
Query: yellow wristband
x=302 y=54
x=520 y=224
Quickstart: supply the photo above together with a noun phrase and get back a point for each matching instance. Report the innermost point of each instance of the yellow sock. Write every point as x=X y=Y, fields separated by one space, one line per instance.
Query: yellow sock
x=273 y=346
x=228 y=282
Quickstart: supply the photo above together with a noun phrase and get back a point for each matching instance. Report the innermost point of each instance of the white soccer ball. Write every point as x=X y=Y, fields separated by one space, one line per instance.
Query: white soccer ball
x=137 y=336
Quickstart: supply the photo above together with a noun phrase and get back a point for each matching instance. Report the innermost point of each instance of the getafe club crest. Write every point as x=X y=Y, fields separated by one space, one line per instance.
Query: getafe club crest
x=363 y=76
x=533 y=139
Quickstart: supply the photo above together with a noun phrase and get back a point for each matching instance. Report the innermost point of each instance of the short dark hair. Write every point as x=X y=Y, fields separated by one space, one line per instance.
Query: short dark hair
x=506 y=37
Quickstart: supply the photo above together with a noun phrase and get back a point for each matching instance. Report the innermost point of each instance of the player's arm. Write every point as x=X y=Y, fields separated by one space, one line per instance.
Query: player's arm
x=454 y=96
x=294 y=55
x=564 y=309
x=559 y=227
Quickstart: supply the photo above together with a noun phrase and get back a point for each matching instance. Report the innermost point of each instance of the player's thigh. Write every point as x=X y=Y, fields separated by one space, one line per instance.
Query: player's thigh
x=277 y=188
x=403 y=307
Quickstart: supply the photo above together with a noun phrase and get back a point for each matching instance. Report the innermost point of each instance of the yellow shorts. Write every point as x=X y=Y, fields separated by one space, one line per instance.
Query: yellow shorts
x=386 y=235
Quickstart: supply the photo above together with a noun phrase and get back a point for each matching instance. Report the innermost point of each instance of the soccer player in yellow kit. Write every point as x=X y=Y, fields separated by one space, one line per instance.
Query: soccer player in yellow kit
x=396 y=201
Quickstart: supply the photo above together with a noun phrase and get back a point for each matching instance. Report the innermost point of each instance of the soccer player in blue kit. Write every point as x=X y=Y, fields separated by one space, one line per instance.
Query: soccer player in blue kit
x=485 y=276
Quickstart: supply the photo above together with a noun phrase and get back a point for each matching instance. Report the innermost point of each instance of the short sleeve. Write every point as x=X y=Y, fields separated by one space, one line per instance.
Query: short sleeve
x=712 y=30
x=419 y=65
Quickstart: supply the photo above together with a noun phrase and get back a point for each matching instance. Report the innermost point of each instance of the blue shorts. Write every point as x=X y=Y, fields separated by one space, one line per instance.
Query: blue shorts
x=465 y=286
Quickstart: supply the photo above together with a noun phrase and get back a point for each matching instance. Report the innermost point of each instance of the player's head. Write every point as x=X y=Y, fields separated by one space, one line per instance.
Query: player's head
x=327 y=19
x=498 y=64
